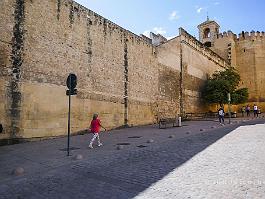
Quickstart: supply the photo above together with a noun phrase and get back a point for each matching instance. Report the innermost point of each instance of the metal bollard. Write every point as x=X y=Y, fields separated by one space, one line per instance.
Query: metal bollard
x=179 y=121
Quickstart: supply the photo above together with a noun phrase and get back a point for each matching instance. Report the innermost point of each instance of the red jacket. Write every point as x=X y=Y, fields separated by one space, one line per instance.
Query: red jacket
x=95 y=126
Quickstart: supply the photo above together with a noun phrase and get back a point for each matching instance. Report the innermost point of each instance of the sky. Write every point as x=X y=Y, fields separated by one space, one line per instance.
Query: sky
x=166 y=16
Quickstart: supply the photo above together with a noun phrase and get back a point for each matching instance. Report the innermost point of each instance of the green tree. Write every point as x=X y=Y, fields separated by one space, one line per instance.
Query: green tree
x=220 y=84
x=239 y=96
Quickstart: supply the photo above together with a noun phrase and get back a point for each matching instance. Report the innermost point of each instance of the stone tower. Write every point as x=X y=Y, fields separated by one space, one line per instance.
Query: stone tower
x=245 y=52
x=208 y=32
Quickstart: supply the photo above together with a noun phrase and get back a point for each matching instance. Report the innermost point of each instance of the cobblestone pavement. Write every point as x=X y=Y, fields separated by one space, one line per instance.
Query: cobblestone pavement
x=199 y=160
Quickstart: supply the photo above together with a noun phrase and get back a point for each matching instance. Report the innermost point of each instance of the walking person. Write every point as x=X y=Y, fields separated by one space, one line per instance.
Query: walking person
x=95 y=129
x=221 y=115
x=243 y=109
x=255 y=110
x=259 y=111
x=248 y=110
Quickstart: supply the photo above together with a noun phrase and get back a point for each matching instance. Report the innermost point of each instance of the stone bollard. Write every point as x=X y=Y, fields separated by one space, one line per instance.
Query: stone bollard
x=18 y=171
x=179 y=122
x=78 y=157
x=119 y=147
x=150 y=141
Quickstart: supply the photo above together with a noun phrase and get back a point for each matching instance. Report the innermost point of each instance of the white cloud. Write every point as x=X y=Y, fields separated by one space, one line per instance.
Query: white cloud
x=174 y=16
x=216 y=3
x=147 y=33
x=199 y=9
x=156 y=30
x=168 y=38
x=159 y=30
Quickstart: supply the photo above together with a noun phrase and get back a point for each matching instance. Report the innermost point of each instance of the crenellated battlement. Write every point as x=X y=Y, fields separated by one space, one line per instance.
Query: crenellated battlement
x=253 y=35
x=197 y=45
x=228 y=34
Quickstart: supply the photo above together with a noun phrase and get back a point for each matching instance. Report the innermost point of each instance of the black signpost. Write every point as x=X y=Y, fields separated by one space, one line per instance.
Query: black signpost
x=71 y=83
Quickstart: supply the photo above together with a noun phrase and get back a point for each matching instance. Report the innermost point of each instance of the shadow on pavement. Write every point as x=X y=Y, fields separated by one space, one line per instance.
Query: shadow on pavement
x=125 y=176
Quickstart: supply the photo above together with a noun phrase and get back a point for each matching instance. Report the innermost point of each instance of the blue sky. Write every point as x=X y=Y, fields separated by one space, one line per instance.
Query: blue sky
x=166 y=16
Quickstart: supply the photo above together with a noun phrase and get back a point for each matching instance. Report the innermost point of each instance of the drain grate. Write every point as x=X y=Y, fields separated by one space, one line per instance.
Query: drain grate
x=124 y=143
x=71 y=149
x=141 y=146
x=135 y=137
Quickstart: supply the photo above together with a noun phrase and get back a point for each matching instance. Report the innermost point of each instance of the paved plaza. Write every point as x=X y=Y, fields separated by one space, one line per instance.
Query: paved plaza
x=202 y=159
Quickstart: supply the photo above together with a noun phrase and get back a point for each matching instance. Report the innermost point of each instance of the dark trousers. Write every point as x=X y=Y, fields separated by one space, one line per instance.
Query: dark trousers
x=221 y=119
x=248 y=113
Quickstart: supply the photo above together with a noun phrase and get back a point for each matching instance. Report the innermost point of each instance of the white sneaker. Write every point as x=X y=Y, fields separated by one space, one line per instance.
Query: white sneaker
x=90 y=146
x=100 y=144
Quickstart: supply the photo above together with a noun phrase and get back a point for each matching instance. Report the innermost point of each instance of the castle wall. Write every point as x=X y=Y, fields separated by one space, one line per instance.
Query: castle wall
x=246 y=53
x=198 y=63
x=168 y=56
x=121 y=76
x=225 y=46
x=116 y=70
x=250 y=54
x=9 y=87
x=192 y=63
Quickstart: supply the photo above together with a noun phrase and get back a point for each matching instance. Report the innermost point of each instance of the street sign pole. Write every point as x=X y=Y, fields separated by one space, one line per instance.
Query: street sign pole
x=69 y=113
x=69 y=121
x=71 y=84
x=229 y=107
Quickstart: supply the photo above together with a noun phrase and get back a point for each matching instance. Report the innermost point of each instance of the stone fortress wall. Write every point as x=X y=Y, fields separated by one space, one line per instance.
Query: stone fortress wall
x=198 y=63
x=246 y=52
x=121 y=76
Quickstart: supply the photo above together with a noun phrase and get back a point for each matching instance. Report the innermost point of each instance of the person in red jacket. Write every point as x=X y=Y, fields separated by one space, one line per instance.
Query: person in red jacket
x=95 y=129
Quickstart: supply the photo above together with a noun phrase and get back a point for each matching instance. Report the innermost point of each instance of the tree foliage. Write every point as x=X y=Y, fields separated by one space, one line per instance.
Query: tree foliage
x=239 y=96
x=220 y=84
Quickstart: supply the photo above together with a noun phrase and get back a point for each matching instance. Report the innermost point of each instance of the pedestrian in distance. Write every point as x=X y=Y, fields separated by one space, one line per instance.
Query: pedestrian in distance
x=221 y=115
x=248 y=110
x=95 y=129
x=243 y=109
x=1 y=128
x=255 y=110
